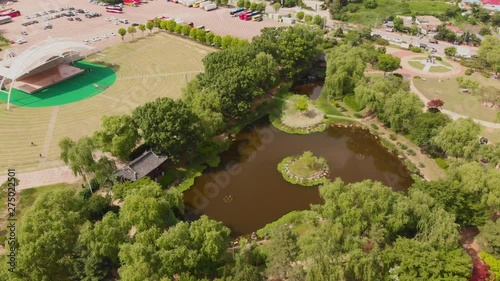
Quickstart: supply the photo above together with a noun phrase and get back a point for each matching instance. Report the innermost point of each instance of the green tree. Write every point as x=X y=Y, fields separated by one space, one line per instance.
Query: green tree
x=217 y=40
x=178 y=28
x=241 y=3
x=149 y=26
x=118 y=135
x=209 y=38
x=302 y=103
x=458 y=138
x=247 y=4
x=206 y=105
x=388 y=63
x=97 y=248
x=198 y=248
x=294 y=48
x=253 y=6
x=400 y=109
x=398 y=23
x=122 y=32
x=78 y=155
x=489 y=95
x=300 y=15
x=450 y=51
x=171 y=25
x=371 y=4
x=146 y=206
x=186 y=29
x=308 y=18
x=169 y=126
x=226 y=41
x=489 y=51
x=344 y=68
x=489 y=237
x=201 y=35
x=132 y=31
x=424 y=127
x=277 y=6
x=142 y=28
x=47 y=236
x=192 y=33
x=317 y=20
x=284 y=251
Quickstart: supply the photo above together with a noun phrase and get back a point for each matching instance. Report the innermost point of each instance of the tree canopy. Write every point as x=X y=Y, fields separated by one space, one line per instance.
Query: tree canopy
x=458 y=138
x=169 y=126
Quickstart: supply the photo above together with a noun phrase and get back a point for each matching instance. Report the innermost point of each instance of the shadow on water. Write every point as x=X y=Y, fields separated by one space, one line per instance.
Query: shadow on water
x=246 y=191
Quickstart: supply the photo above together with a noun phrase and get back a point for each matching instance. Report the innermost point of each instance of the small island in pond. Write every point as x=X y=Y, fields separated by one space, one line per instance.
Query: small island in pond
x=305 y=169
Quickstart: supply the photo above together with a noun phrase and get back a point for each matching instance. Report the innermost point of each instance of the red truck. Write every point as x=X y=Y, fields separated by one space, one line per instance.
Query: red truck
x=243 y=14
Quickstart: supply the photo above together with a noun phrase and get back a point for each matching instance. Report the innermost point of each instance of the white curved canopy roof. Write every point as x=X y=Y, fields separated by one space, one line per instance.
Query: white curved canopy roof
x=39 y=54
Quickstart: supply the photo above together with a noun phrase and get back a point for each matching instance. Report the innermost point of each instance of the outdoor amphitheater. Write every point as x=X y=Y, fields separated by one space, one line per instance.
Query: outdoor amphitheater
x=66 y=90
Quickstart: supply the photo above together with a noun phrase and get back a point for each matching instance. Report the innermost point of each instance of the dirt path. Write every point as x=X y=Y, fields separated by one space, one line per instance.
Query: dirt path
x=479 y=269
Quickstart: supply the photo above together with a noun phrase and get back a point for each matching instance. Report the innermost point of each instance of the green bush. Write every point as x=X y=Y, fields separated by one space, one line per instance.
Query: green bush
x=416 y=50
x=438 y=58
x=392 y=136
x=468 y=72
x=374 y=126
x=380 y=41
x=351 y=102
x=402 y=145
x=342 y=109
x=493 y=263
x=441 y=163
x=421 y=165
x=411 y=152
x=486 y=74
x=357 y=115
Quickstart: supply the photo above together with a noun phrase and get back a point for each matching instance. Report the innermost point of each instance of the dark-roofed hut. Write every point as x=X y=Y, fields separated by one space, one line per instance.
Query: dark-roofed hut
x=148 y=164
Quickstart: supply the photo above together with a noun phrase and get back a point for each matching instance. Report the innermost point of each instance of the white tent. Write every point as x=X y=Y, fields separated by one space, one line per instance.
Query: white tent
x=12 y=67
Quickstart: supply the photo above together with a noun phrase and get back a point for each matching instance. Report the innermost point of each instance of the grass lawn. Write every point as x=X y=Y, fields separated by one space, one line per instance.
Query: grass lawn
x=146 y=70
x=439 y=68
x=416 y=64
x=302 y=168
x=445 y=63
x=466 y=104
x=493 y=135
x=386 y=8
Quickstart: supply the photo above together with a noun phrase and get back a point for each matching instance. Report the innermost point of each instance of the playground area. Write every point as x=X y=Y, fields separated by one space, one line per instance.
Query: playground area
x=143 y=71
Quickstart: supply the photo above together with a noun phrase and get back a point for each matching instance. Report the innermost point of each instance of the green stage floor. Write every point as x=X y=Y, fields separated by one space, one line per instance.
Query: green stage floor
x=72 y=90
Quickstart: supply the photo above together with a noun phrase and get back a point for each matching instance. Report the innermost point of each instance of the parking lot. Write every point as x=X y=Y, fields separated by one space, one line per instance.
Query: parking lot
x=85 y=28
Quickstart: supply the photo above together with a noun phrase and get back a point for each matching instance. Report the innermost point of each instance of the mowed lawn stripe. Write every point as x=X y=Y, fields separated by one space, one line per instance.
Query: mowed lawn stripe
x=146 y=57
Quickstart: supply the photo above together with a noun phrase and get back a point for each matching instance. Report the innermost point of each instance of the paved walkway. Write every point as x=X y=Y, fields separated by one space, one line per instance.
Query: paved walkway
x=43 y=177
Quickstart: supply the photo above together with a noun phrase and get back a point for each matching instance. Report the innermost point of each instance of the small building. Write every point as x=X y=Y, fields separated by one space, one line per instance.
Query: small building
x=493 y=5
x=428 y=23
x=148 y=164
x=405 y=46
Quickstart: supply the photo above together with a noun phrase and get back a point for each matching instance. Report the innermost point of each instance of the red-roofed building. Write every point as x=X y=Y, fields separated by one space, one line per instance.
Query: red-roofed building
x=491 y=4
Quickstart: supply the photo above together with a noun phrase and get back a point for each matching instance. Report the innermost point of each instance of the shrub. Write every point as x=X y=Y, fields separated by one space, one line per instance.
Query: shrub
x=374 y=126
x=402 y=145
x=416 y=49
x=486 y=74
x=392 y=136
x=417 y=77
x=441 y=163
x=371 y=4
x=438 y=58
x=358 y=115
x=380 y=41
x=468 y=72
x=421 y=165
x=85 y=194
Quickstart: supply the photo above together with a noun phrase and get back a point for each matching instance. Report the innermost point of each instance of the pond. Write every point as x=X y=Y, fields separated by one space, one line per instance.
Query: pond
x=246 y=191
